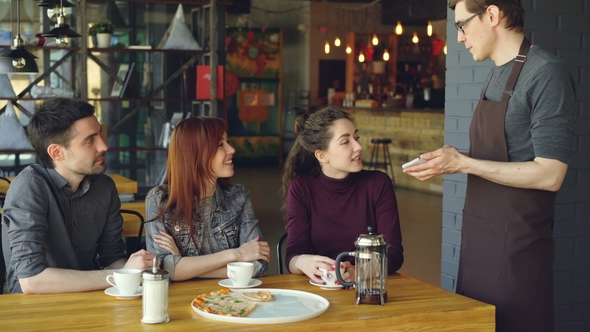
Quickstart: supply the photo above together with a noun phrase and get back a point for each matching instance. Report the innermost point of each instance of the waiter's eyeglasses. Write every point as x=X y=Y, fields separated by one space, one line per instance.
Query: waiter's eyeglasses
x=460 y=25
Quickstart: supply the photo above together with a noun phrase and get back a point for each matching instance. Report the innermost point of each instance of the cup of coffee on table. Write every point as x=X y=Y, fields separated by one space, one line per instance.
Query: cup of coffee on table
x=240 y=273
x=126 y=281
x=329 y=275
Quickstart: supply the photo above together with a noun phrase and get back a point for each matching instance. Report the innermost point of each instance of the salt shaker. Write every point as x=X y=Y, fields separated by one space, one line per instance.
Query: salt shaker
x=155 y=295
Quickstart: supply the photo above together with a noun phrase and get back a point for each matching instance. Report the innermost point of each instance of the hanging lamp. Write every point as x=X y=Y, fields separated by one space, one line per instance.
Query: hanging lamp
x=53 y=7
x=17 y=59
x=375 y=40
x=415 y=38
x=62 y=31
x=398 y=28
x=429 y=29
x=385 y=55
x=348 y=49
x=337 y=42
x=327 y=47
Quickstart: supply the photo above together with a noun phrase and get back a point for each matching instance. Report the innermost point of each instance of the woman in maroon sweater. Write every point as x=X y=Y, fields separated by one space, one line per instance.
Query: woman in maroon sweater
x=330 y=200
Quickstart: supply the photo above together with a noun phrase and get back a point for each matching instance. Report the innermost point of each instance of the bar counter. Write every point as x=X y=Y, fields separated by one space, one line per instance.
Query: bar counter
x=411 y=130
x=412 y=306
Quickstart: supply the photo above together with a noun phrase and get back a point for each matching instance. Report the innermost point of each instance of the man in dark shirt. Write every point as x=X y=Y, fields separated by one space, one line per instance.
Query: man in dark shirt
x=61 y=224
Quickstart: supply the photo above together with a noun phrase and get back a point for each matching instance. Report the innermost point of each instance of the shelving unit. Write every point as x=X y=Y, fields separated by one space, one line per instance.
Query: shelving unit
x=161 y=82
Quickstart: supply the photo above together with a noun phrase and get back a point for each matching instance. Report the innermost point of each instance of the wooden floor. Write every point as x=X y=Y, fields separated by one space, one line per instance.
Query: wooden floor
x=420 y=216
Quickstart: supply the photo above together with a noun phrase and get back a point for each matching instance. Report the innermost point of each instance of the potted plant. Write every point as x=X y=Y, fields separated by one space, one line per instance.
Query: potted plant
x=103 y=31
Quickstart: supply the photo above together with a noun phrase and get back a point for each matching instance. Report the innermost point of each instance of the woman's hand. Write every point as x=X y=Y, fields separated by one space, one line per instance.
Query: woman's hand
x=349 y=274
x=253 y=250
x=166 y=242
x=310 y=264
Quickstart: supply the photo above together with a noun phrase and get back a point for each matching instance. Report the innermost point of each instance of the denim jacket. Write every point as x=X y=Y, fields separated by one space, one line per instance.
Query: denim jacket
x=233 y=224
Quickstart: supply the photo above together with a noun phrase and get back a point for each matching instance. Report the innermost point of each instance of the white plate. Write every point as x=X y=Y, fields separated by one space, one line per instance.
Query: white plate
x=228 y=284
x=112 y=291
x=326 y=287
x=288 y=306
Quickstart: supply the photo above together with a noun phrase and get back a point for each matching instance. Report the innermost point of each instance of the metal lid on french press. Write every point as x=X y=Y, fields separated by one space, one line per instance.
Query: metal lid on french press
x=370 y=240
x=155 y=273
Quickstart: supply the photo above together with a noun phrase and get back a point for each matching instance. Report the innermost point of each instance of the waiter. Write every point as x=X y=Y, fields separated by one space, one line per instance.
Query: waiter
x=521 y=139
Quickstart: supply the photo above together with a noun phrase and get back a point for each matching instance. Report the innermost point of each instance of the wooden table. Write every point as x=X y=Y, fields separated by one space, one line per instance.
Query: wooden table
x=413 y=306
x=124 y=185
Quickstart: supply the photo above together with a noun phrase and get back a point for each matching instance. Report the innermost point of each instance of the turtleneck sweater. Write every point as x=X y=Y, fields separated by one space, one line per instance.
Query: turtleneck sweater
x=326 y=215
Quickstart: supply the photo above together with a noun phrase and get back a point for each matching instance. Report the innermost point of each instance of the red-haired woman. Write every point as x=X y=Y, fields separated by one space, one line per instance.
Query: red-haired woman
x=197 y=221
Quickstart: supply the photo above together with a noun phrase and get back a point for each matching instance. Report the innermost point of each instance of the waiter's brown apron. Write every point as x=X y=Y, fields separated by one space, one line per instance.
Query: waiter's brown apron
x=507 y=243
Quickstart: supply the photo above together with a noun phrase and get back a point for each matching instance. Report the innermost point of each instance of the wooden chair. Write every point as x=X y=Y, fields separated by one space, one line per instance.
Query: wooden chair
x=280 y=258
x=3 y=194
x=138 y=244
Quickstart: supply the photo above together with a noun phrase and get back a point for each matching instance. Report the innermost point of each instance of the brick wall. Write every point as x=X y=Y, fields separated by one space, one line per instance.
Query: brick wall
x=561 y=27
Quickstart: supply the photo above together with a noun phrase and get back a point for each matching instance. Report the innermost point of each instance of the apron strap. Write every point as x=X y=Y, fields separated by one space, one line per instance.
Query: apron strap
x=518 y=64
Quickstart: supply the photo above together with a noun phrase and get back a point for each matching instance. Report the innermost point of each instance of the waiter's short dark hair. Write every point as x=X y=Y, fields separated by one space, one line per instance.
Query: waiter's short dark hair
x=513 y=10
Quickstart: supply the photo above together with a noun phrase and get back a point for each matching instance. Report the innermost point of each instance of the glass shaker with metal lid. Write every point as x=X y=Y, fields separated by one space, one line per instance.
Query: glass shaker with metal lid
x=370 y=268
x=155 y=295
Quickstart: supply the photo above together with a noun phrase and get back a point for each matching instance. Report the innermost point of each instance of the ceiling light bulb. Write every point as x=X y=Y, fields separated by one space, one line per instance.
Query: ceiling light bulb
x=398 y=28
x=62 y=41
x=361 y=57
x=327 y=48
x=429 y=29
x=337 y=42
x=348 y=50
x=385 y=55
x=19 y=63
x=415 y=39
x=54 y=12
x=445 y=49
x=375 y=40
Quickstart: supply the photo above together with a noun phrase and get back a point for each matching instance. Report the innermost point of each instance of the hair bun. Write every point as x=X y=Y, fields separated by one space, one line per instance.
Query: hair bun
x=300 y=123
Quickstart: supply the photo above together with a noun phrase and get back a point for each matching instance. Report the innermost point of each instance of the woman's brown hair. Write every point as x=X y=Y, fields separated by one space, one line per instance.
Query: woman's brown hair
x=193 y=144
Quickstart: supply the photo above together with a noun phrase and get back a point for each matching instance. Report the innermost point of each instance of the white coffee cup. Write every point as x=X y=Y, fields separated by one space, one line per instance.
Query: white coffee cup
x=240 y=273
x=329 y=275
x=126 y=281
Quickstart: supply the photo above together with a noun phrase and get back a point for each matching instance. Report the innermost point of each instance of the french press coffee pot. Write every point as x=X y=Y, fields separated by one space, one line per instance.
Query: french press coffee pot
x=370 y=268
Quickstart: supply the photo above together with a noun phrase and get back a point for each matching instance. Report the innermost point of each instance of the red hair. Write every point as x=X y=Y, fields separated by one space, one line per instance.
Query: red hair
x=193 y=144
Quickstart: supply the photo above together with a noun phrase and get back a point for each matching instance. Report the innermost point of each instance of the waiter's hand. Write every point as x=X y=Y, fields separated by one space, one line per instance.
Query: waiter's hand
x=446 y=160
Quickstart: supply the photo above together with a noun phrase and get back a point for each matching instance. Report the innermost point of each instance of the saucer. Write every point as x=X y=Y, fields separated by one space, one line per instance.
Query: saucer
x=112 y=291
x=228 y=284
x=326 y=287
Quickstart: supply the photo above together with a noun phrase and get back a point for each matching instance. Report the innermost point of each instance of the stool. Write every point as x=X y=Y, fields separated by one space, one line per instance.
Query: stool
x=381 y=145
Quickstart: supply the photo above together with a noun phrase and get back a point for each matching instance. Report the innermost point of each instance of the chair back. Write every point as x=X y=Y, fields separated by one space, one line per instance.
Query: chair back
x=280 y=257
x=139 y=243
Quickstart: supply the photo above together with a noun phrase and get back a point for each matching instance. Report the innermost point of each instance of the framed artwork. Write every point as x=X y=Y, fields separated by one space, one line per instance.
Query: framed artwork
x=123 y=73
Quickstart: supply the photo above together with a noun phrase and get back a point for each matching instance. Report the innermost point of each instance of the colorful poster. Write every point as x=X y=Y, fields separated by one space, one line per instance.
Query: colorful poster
x=253 y=52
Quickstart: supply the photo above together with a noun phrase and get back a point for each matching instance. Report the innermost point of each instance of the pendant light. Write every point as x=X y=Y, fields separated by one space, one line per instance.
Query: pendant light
x=375 y=40
x=415 y=38
x=337 y=42
x=53 y=7
x=361 y=57
x=385 y=55
x=327 y=47
x=62 y=31
x=429 y=29
x=17 y=59
x=398 y=28
x=348 y=49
